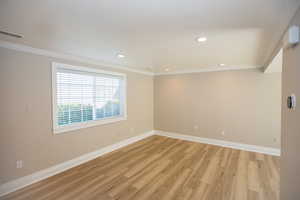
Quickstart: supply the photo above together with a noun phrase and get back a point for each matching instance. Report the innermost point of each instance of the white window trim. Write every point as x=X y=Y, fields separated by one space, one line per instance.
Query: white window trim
x=61 y=129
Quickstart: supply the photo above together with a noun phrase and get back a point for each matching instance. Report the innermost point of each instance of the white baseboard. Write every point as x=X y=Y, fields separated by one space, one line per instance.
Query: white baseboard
x=43 y=174
x=233 y=145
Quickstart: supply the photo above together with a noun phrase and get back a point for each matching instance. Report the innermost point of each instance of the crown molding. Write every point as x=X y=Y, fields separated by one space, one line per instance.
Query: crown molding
x=208 y=69
x=47 y=53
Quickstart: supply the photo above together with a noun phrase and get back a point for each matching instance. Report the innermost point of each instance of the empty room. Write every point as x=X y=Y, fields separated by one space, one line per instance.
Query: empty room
x=149 y=100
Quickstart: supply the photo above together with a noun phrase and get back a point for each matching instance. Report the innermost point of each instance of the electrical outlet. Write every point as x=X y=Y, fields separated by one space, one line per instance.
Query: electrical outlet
x=19 y=164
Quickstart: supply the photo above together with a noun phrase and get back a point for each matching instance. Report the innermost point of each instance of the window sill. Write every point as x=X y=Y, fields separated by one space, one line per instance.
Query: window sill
x=68 y=128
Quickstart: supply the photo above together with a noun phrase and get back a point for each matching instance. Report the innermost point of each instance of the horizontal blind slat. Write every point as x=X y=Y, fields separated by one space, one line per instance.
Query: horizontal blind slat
x=86 y=96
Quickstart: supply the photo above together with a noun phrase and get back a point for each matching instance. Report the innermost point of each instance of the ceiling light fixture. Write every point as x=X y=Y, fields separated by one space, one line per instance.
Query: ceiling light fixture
x=121 y=56
x=222 y=64
x=167 y=69
x=201 y=39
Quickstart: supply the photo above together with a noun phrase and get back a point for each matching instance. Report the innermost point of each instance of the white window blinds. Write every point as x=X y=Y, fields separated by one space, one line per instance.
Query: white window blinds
x=83 y=96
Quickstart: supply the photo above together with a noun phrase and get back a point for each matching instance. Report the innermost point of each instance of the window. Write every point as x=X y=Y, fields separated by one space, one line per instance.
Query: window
x=84 y=97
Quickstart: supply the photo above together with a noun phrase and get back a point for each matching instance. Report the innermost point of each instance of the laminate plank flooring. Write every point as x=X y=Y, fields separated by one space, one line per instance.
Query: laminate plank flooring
x=161 y=168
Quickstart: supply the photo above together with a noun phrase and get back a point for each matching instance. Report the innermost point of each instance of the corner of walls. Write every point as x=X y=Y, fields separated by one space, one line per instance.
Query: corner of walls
x=222 y=143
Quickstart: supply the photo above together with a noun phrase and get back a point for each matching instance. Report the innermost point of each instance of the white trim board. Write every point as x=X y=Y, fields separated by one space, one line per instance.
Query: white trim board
x=59 y=55
x=233 y=145
x=47 y=53
x=14 y=185
x=208 y=69
x=43 y=174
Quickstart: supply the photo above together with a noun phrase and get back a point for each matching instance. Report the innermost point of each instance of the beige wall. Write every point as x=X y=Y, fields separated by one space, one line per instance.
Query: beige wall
x=213 y=101
x=290 y=159
x=26 y=121
x=244 y=104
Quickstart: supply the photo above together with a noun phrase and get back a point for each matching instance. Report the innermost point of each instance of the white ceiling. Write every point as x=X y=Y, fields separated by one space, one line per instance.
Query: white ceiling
x=155 y=34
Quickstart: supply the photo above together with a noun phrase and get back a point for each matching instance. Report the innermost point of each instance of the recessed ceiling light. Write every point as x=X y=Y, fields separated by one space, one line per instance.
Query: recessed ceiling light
x=201 y=39
x=121 y=56
x=167 y=69
x=222 y=64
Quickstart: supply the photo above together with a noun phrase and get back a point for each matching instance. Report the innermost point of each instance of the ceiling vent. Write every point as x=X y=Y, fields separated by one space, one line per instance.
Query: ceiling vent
x=10 y=34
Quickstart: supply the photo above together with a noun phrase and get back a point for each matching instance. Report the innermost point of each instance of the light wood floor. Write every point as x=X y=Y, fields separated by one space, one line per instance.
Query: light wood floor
x=163 y=168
